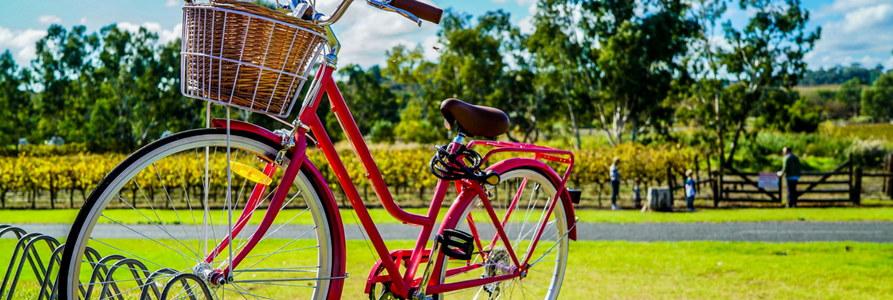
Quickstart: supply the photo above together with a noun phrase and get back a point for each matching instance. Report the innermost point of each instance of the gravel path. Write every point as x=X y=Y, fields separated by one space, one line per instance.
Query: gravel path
x=875 y=232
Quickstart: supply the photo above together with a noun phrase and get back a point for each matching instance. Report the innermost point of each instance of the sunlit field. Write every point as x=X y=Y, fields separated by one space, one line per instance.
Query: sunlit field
x=682 y=270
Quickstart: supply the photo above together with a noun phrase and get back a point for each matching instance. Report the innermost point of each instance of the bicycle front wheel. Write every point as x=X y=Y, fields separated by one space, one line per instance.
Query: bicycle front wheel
x=520 y=201
x=150 y=226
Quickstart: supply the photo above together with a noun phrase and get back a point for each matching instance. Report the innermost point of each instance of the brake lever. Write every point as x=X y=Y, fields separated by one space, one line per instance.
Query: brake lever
x=385 y=6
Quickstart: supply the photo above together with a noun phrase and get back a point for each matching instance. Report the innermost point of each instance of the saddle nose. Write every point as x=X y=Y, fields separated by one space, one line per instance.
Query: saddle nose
x=473 y=119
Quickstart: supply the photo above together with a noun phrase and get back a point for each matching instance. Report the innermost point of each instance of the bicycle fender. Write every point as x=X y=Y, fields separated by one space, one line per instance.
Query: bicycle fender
x=512 y=163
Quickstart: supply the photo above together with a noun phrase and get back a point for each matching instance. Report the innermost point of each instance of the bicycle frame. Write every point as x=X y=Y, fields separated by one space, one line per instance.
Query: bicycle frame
x=401 y=285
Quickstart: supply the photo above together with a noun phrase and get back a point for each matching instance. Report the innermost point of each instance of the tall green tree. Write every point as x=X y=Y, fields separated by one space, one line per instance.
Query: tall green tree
x=612 y=65
x=704 y=107
x=484 y=62
x=767 y=54
x=15 y=117
x=850 y=93
x=61 y=74
x=877 y=101
x=369 y=100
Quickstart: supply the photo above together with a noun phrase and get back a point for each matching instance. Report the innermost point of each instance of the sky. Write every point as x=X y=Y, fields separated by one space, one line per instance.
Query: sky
x=853 y=31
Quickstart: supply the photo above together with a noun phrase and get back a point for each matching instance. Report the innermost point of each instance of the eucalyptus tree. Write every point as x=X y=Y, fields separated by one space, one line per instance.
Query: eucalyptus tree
x=615 y=62
x=484 y=61
x=877 y=101
x=767 y=54
x=61 y=75
x=564 y=60
x=15 y=117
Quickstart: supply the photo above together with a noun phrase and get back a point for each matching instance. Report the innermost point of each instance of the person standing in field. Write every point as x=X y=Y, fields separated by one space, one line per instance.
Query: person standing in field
x=637 y=195
x=690 y=190
x=615 y=183
x=790 y=169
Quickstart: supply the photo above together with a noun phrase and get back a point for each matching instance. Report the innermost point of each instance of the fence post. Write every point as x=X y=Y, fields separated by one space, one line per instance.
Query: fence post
x=781 y=192
x=670 y=181
x=851 y=182
x=856 y=189
x=889 y=180
x=697 y=176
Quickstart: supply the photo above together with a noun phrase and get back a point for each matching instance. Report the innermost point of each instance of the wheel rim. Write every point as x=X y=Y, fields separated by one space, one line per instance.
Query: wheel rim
x=548 y=260
x=292 y=261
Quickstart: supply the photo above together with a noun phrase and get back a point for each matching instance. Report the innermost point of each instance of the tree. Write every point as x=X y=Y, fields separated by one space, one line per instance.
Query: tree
x=61 y=73
x=638 y=59
x=612 y=65
x=484 y=62
x=877 y=101
x=708 y=83
x=369 y=101
x=564 y=61
x=850 y=93
x=15 y=115
x=766 y=54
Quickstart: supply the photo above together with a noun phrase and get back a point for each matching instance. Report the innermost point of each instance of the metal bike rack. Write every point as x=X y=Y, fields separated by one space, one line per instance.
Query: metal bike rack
x=104 y=268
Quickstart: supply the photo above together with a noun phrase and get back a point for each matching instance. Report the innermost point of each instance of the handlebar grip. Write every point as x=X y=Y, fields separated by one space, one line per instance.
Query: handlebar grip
x=419 y=9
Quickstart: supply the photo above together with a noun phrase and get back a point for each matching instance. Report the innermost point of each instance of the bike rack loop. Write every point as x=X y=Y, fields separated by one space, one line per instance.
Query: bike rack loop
x=26 y=249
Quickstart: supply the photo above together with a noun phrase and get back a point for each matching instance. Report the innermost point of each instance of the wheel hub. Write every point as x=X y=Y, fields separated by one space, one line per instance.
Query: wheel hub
x=497 y=264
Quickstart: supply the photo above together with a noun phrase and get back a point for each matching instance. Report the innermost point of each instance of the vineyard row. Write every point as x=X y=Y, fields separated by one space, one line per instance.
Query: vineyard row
x=405 y=171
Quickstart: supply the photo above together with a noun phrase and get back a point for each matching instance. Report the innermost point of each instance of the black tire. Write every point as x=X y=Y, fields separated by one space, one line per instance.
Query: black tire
x=319 y=205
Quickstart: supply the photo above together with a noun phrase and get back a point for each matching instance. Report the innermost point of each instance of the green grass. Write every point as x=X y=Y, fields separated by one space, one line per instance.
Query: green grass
x=681 y=270
x=381 y=216
x=741 y=215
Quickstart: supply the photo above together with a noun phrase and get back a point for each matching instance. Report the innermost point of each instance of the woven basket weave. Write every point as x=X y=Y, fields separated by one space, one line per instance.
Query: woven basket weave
x=248 y=56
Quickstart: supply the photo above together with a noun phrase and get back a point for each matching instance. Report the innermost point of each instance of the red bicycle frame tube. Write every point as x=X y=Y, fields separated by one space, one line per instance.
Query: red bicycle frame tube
x=469 y=189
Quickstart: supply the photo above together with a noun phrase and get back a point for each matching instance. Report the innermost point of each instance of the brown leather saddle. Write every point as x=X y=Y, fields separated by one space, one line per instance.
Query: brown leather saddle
x=473 y=119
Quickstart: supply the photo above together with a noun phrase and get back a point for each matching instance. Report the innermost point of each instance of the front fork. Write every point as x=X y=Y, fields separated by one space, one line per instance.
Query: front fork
x=293 y=141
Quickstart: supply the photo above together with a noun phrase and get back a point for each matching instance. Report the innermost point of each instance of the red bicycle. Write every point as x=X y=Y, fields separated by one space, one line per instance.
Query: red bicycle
x=505 y=236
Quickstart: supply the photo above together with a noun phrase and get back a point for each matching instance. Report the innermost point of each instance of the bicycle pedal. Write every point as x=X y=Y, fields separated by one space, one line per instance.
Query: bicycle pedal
x=456 y=244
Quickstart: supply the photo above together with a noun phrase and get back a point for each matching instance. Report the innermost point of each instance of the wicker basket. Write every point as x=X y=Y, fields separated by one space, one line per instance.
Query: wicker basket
x=248 y=56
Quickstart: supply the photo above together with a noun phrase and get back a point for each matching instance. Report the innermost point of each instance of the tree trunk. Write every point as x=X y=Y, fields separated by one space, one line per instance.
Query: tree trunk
x=719 y=133
x=730 y=160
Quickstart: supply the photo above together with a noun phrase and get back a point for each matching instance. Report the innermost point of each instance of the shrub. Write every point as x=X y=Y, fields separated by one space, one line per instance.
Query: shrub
x=868 y=153
x=382 y=132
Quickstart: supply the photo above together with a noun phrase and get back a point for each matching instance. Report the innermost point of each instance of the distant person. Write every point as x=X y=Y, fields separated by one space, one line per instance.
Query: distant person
x=615 y=183
x=790 y=169
x=637 y=194
x=690 y=190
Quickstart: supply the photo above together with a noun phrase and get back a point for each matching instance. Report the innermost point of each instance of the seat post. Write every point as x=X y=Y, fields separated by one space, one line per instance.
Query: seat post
x=459 y=137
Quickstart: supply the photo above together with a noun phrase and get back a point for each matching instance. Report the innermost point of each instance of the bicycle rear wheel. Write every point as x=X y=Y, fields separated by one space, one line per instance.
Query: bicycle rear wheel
x=161 y=211
x=532 y=193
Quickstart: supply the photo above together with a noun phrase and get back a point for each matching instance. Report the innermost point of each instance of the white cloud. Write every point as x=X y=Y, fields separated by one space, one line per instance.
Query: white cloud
x=83 y=21
x=164 y=35
x=842 y=6
x=526 y=24
x=366 y=33
x=173 y=3
x=867 y=17
x=49 y=19
x=21 y=42
x=862 y=35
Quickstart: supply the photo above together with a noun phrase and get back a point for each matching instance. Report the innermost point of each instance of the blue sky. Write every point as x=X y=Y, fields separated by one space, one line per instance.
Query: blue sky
x=854 y=31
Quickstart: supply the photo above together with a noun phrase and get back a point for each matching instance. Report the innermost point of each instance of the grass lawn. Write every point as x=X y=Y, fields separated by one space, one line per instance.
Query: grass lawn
x=683 y=270
x=381 y=216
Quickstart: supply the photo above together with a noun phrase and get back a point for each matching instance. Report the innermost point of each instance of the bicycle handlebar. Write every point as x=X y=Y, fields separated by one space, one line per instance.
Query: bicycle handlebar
x=323 y=20
x=411 y=9
x=419 y=9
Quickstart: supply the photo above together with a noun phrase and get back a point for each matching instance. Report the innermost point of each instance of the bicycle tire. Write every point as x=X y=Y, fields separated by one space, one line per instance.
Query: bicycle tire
x=514 y=288
x=327 y=235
